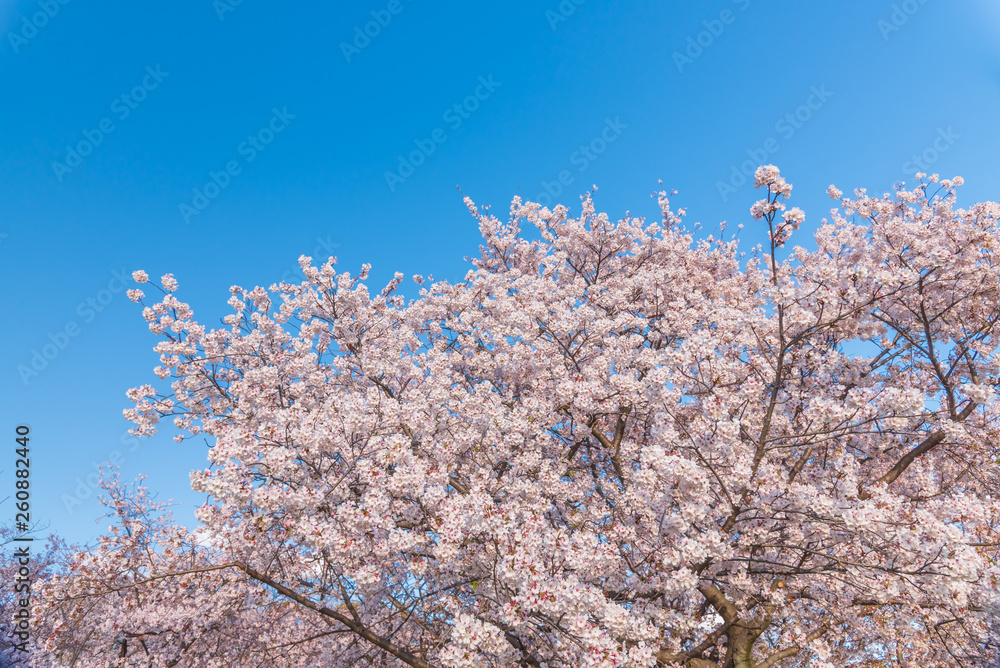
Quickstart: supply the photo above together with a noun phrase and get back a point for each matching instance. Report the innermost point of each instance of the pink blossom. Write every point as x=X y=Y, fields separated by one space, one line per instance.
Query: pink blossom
x=610 y=444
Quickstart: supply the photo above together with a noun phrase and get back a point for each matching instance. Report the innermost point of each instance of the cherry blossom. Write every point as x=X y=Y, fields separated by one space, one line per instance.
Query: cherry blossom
x=610 y=444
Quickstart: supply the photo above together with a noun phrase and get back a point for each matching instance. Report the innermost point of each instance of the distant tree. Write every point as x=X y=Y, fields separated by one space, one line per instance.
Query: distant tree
x=610 y=445
x=45 y=557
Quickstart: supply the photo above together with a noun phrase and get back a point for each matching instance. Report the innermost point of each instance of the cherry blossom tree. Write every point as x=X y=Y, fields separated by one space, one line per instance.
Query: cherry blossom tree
x=611 y=444
x=44 y=557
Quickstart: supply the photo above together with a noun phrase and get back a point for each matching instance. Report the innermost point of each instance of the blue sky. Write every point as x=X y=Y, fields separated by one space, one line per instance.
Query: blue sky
x=219 y=141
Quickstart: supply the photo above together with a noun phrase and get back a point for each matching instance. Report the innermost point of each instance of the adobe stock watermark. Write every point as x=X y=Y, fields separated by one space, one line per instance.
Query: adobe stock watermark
x=899 y=17
x=363 y=35
x=248 y=149
x=90 y=484
x=921 y=162
x=47 y=10
x=122 y=106
x=58 y=341
x=454 y=116
x=714 y=28
x=562 y=13
x=787 y=125
x=581 y=158
x=223 y=7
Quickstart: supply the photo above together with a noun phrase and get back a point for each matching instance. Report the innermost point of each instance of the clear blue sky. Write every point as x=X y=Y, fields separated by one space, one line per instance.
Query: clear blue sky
x=160 y=98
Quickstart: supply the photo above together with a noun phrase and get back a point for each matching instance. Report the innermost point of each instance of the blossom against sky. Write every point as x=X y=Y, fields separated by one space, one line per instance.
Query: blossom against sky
x=219 y=141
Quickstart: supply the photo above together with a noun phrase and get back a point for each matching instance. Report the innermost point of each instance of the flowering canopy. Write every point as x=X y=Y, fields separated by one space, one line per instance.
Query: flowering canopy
x=610 y=445
x=19 y=565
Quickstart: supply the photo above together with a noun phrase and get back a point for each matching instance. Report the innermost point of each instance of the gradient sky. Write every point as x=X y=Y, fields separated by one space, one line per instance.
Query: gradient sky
x=618 y=94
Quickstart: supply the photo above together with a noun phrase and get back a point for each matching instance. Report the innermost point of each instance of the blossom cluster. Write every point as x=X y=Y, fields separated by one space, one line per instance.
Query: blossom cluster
x=611 y=444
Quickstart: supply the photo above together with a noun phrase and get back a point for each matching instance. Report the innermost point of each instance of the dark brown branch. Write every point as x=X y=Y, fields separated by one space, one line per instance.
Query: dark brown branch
x=358 y=628
x=924 y=447
x=773 y=660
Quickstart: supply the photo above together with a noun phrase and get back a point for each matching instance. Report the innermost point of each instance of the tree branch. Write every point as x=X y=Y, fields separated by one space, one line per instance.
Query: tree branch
x=925 y=446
